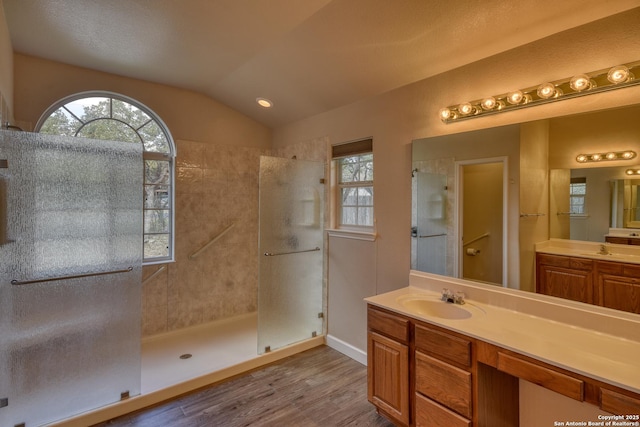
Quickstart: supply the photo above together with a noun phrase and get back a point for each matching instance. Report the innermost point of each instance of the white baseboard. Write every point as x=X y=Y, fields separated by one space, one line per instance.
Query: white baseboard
x=347 y=349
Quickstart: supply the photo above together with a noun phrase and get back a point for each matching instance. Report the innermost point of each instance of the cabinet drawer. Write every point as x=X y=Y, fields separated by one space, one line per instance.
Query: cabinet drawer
x=565 y=261
x=431 y=414
x=388 y=324
x=443 y=345
x=444 y=383
x=619 y=404
x=545 y=377
x=631 y=270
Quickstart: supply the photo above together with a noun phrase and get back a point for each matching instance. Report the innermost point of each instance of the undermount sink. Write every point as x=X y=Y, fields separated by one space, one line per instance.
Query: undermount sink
x=432 y=306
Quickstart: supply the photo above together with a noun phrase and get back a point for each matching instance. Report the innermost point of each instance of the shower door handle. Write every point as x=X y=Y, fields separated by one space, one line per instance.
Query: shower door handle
x=4 y=222
x=52 y=279
x=289 y=253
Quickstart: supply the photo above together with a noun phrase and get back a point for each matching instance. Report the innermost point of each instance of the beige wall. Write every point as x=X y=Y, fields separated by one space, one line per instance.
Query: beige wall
x=6 y=70
x=534 y=196
x=190 y=116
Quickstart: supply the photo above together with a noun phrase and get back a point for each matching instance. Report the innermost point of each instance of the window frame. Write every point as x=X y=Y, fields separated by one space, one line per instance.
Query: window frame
x=146 y=155
x=339 y=153
x=574 y=182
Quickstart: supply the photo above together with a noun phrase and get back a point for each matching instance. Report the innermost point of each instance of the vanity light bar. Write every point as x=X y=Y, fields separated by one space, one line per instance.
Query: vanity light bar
x=611 y=155
x=579 y=85
x=632 y=172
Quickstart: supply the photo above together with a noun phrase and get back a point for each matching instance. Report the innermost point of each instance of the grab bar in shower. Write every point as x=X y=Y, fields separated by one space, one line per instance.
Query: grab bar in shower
x=154 y=274
x=289 y=253
x=52 y=279
x=212 y=241
x=476 y=239
x=431 y=235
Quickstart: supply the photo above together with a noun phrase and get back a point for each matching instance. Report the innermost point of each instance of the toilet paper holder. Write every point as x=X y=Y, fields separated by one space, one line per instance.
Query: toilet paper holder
x=472 y=251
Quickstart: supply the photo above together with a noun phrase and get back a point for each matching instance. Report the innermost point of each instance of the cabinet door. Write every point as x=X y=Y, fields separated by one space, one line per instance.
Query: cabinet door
x=388 y=376
x=566 y=283
x=621 y=293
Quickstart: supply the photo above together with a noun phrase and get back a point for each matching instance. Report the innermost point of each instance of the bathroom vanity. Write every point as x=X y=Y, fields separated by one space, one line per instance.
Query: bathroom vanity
x=605 y=275
x=434 y=363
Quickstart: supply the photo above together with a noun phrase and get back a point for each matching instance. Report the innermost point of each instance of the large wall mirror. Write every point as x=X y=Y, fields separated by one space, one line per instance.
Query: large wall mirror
x=547 y=193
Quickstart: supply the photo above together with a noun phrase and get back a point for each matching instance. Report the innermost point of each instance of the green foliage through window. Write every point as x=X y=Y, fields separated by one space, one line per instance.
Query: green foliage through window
x=117 y=118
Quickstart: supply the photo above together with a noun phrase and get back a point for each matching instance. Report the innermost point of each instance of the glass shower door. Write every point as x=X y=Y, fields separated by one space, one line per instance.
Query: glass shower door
x=70 y=272
x=431 y=223
x=291 y=252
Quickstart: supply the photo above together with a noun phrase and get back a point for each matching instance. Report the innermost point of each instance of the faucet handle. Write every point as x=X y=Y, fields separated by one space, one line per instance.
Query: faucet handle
x=447 y=295
x=459 y=298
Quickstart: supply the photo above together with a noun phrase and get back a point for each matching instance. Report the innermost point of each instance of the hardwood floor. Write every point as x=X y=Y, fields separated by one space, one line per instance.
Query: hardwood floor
x=319 y=387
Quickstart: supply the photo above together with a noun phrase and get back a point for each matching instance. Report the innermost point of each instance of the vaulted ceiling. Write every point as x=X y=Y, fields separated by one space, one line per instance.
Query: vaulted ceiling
x=307 y=56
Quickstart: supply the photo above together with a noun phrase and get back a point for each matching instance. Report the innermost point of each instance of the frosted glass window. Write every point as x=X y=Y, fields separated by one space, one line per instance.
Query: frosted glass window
x=108 y=116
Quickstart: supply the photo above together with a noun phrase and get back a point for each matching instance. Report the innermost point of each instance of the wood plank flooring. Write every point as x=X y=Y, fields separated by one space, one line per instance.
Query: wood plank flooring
x=319 y=387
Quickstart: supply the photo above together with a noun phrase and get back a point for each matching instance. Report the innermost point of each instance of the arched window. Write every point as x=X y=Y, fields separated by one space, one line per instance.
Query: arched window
x=105 y=115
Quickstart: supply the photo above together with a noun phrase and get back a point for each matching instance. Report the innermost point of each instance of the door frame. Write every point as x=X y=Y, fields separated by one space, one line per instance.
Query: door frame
x=459 y=200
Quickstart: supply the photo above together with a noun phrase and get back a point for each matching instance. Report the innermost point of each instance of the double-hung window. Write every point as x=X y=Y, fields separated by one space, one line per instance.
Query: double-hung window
x=353 y=165
x=577 y=194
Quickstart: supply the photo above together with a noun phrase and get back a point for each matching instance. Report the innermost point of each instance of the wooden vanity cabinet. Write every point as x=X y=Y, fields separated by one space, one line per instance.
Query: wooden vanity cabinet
x=618 y=286
x=388 y=364
x=620 y=240
x=565 y=277
x=420 y=374
x=606 y=283
x=423 y=375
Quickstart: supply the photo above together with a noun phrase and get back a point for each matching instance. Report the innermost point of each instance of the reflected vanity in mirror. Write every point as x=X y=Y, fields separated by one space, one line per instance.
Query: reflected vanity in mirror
x=549 y=195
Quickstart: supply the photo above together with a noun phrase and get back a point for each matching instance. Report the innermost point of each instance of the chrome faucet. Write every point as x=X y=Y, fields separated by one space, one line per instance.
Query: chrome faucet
x=453 y=297
x=604 y=250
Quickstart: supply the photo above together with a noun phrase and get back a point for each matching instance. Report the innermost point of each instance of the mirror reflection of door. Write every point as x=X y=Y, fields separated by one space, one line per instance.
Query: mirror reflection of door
x=481 y=221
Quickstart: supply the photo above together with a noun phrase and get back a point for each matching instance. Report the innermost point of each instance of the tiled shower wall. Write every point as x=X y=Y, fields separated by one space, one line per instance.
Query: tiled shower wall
x=216 y=186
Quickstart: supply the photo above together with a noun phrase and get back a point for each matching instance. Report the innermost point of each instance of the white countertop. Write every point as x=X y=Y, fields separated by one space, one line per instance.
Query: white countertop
x=571 y=336
x=581 y=249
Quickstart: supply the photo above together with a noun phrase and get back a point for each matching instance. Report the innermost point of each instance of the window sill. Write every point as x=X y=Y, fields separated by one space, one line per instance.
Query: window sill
x=369 y=236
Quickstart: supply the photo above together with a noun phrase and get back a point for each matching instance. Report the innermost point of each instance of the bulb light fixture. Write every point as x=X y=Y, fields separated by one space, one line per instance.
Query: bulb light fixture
x=609 y=155
x=581 y=84
x=632 y=171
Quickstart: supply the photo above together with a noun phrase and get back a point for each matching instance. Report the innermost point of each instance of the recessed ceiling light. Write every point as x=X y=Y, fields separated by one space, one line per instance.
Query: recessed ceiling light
x=264 y=102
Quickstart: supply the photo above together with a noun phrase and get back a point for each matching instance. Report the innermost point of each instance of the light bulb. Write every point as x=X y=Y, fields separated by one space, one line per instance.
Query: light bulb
x=445 y=114
x=629 y=172
x=611 y=156
x=489 y=103
x=619 y=74
x=581 y=158
x=515 y=97
x=465 y=108
x=596 y=157
x=628 y=154
x=581 y=82
x=547 y=90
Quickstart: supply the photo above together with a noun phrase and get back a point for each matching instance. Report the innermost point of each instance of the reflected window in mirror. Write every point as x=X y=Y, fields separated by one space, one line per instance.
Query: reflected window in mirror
x=577 y=195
